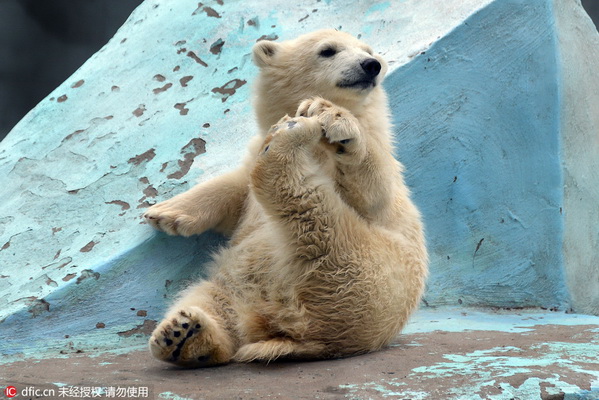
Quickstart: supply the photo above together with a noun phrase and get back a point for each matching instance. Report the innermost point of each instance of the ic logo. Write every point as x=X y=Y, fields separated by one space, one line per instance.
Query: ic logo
x=10 y=391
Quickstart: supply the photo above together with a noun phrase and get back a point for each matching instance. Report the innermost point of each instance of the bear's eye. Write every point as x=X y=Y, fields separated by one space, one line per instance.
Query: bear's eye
x=328 y=52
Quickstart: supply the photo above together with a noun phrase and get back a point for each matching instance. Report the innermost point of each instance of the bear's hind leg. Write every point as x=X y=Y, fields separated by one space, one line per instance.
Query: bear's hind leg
x=283 y=347
x=197 y=331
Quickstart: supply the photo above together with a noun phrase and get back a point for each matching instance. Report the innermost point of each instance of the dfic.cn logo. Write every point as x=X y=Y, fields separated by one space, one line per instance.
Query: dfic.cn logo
x=10 y=391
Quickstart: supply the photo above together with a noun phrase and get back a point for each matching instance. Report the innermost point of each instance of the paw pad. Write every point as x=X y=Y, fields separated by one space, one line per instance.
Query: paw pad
x=172 y=338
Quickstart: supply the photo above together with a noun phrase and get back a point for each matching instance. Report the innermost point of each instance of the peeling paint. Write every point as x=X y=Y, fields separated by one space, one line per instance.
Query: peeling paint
x=197 y=59
x=78 y=84
x=146 y=329
x=271 y=37
x=229 y=88
x=150 y=191
x=191 y=150
x=216 y=47
x=139 y=111
x=210 y=12
x=51 y=282
x=181 y=108
x=162 y=89
x=185 y=80
x=124 y=205
x=146 y=156
x=88 y=247
x=68 y=277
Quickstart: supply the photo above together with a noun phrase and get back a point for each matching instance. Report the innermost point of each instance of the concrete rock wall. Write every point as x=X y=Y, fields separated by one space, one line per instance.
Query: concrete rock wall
x=477 y=117
x=482 y=94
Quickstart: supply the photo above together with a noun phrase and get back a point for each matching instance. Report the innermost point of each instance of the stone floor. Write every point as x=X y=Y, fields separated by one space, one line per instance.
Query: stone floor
x=443 y=354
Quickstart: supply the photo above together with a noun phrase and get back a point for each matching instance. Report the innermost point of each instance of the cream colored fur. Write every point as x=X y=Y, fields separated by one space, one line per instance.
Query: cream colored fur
x=327 y=255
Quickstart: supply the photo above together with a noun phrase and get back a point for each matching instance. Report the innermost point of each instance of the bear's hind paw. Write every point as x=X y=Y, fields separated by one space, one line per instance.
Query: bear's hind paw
x=182 y=339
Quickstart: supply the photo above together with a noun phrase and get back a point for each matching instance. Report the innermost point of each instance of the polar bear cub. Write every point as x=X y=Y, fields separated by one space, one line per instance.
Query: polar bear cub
x=327 y=255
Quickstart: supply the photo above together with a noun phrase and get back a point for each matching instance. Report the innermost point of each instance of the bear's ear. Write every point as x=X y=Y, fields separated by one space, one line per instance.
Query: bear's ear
x=264 y=51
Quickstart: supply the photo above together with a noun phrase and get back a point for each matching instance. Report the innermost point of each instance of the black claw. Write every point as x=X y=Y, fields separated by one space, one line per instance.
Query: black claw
x=176 y=354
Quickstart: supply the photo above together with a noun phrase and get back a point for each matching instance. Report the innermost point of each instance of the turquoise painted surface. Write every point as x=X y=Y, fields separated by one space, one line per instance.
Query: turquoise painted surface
x=477 y=119
x=460 y=319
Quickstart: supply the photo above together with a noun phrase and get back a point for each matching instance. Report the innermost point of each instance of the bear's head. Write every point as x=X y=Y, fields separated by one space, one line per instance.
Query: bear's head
x=326 y=63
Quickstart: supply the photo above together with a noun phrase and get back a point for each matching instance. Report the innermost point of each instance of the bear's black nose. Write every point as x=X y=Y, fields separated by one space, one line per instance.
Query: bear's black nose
x=371 y=66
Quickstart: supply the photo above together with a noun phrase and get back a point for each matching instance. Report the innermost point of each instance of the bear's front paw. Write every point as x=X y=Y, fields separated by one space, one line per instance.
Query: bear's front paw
x=340 y=126
x=182 y=339
x=172 y=219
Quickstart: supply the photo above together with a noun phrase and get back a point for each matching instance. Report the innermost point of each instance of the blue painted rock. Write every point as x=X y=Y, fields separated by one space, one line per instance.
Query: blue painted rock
x=495 y=114
x=497 y=127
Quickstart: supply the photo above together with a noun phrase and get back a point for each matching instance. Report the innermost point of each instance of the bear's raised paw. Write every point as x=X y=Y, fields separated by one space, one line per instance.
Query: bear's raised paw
x=340 y=126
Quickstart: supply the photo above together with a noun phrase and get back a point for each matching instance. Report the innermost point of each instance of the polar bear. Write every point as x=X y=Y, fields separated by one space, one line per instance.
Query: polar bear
x=327 y=255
